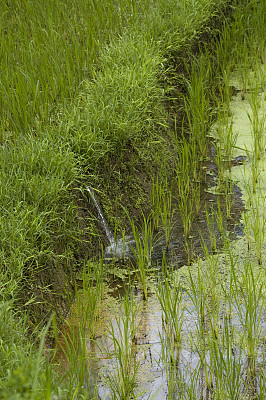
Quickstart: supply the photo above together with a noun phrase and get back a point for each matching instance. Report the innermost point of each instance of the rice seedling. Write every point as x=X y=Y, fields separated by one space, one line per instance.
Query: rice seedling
x=197 y=103
x=170 y=359
x=247 y=299
x=219 y=218
x=166 y=213
x=79 y=328
x=255 y=221
x=198 y=295
x=121 y=377
x=186 y=211
x=189 y=205
x=170 y=298
x=211 y=223
x=257 y=121
x=228 y=196
x=225 y=144
x=188 y=190
x=156 y=196
x=258 y=219
x=142 y=252
x=225 y=367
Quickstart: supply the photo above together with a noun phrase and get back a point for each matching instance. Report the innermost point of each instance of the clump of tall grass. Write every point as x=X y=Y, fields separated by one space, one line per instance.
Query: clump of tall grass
x=24 y=373
x=123 y=103
x=39 y=221
x=48 y=49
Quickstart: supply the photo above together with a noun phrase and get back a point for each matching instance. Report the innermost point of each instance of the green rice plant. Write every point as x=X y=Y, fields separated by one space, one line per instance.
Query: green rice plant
x=166 y=213
x=228 y=184
x=255 y=222
x=24 y=371
x=184 y=165
x=79 y=328
x=89 y=299
x=170 y=298
x=262 y=381
x=189 y=206
x=255 y=175
x=224 y=88
x=257 y=121
x=227 y=285
x=169 y=294
x=247 y=295
x=219 y=218
x=39 y=224
x=219 y=160
x=244 y=69
x=186 y=212
x=122 y=102
x=225 y=144
x=258 y=219
x=210 y=219
x=229 y=141
x=225 y=367
x=170 y=359
x=197 y=103
x=188 y=185
x=198 y=296
x=156 y=196
x=121 y=377
x=142 y=251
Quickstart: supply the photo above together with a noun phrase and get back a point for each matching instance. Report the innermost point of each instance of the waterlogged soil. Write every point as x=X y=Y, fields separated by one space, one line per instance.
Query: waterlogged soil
x=148 y=345
x=182 y=249
x=148 y=348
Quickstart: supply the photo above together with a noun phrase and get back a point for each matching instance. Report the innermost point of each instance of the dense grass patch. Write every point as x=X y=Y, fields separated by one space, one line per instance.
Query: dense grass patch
x=47 y=49
x=62 y=119
x=123 y=103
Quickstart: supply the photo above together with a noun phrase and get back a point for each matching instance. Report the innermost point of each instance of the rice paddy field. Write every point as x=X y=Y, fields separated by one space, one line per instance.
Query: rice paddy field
x=132 y=195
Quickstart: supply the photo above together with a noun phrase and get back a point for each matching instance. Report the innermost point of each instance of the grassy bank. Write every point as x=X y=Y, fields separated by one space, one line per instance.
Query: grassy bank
x=67 y=123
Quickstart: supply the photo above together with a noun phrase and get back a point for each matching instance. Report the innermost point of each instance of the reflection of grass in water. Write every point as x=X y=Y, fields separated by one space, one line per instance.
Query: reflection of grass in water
x=121 y=376
x=83 y=322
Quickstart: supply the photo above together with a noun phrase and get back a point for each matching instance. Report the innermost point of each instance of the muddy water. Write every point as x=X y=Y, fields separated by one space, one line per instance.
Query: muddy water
x=151 y=379
x=181 y=250
x=150 y=338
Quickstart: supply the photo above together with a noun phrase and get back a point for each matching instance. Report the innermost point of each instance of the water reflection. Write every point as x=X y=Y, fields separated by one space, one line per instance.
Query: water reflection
x=194 y=365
